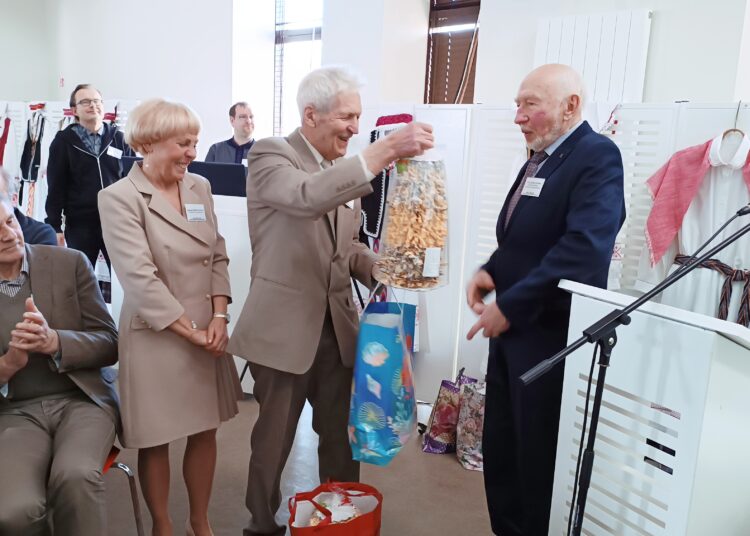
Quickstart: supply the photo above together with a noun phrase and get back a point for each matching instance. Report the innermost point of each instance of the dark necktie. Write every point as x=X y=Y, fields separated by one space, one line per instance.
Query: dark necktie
x=534 y=162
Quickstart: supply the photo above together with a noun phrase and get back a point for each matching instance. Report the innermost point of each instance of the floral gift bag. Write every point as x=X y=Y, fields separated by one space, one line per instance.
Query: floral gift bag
x=470 y=424
x=440 y=436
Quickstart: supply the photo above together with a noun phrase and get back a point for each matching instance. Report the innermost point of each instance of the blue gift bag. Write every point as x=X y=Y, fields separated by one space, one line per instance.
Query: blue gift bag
x=383 y=410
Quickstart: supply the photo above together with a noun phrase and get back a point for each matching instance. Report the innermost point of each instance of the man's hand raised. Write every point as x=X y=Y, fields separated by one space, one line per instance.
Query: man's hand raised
x=412 y=140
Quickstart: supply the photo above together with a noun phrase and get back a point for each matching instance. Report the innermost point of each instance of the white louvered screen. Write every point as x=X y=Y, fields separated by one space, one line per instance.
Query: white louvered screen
x=609 y=51
x=645 y=137
x=496 y=154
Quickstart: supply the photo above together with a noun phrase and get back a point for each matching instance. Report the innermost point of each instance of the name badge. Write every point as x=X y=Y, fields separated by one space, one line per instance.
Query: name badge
x=195 y=212
x=350 y=204
x=533 y=187
x=114 y=151
x=244 y=162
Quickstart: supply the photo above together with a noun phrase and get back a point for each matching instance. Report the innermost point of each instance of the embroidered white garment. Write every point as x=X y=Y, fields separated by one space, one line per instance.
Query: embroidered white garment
x=721 y=194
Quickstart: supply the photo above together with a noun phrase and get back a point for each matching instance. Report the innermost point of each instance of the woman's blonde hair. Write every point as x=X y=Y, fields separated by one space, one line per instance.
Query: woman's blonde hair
x=157 y=119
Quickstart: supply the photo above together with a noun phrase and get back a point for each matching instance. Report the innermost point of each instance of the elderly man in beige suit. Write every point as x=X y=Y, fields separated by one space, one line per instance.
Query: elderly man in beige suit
x=298 y=328
x=58 y=408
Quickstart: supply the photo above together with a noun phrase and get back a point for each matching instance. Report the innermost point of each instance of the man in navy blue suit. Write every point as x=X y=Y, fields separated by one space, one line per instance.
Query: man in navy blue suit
x=559 y=222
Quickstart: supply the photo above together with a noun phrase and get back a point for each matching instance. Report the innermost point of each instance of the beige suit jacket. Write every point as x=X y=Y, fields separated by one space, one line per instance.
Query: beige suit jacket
x=66 y=292
x=300 y=265
x=168 y=266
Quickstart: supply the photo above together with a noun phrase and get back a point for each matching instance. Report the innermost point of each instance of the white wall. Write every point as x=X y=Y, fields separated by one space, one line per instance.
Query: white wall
x=252 y=60
x=384 y=41
x=139 y=49
x=742 y=87
x=27 y=35
x=693 y=53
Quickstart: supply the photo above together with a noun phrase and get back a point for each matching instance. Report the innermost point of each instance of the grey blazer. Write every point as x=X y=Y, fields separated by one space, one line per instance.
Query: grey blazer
x=301 y=260
x=66 y=292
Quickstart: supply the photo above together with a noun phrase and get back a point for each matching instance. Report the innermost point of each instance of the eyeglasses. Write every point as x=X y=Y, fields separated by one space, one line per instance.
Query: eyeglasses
x=88 y=102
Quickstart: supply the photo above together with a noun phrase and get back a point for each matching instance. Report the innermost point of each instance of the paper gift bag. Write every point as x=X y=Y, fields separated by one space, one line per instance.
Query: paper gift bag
x=470 y=425
x=440 y=435
x=383 y=411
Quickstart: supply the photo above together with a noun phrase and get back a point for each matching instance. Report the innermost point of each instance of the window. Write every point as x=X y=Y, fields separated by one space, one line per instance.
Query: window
x=297 y=52
x=452 y=51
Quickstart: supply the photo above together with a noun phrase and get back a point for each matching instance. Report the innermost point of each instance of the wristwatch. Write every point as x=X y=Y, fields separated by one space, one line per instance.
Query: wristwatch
x=225 y=316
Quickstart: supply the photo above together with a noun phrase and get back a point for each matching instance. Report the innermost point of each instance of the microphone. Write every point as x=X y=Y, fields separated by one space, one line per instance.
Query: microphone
x=744 y=210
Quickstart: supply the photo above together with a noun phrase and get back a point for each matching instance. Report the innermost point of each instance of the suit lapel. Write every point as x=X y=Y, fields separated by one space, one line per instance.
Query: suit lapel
x=550 y=165
x=158 y=204
x=501 y=230
x=41 y=269
x=311 y=165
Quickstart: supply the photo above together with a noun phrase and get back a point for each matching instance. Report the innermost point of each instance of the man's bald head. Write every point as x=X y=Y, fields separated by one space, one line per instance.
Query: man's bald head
x=558 y=80
x=549 y=101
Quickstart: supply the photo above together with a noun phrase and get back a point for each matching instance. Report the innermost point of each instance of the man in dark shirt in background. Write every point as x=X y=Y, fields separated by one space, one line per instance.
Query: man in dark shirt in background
x=235 y=149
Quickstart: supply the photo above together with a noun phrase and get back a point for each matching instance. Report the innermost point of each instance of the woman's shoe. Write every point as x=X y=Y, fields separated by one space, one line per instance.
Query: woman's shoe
x=189 y=529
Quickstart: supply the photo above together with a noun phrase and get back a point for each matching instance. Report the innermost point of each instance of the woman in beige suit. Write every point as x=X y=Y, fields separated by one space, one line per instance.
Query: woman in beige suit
x=176 y=379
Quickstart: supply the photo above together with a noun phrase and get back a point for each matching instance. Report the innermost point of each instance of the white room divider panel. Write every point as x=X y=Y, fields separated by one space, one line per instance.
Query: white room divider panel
x=645 y=136
x=609 y=50
x=439 y=308
x=496 y=154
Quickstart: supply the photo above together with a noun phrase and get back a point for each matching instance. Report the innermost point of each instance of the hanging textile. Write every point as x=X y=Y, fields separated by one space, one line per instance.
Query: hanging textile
x=718 y=184
x=4 y=138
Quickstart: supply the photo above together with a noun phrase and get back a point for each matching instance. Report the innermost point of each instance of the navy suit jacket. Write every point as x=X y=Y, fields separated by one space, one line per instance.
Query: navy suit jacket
x=35 y=232
x=568 y=232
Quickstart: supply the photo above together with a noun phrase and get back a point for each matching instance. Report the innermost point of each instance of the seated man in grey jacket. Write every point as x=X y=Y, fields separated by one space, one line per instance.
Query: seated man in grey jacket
x=235 y=149
x=58 y=408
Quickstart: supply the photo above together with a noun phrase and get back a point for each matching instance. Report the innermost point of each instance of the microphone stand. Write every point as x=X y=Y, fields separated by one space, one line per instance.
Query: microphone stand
x=603 y=334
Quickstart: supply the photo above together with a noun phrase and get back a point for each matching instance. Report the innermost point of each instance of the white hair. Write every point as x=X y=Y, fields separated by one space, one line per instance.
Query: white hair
x=10 y=185
x=320 y=87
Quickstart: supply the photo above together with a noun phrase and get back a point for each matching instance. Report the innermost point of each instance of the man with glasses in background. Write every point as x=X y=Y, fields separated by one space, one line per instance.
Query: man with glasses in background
x=83 y=158
x=235 y=149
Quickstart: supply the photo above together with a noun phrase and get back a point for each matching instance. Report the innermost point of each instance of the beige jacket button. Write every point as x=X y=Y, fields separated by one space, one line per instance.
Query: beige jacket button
x=205 y=262
x=208 y=296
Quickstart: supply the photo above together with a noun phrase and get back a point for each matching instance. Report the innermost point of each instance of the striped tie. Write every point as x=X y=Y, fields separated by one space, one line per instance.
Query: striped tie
x=534 y=162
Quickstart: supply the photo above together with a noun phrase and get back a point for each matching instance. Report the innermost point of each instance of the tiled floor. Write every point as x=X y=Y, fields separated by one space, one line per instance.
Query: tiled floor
x=423 y=494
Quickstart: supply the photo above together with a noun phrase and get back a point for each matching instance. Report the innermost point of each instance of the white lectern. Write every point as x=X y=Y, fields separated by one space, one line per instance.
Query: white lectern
x=673 y=444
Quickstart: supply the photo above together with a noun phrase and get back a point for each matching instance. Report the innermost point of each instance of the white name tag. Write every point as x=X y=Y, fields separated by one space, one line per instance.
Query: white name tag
x=244 y=162
x=195 y=212
x=350 y=204
x=431 y=262
x=114 y=151
x=533 y=187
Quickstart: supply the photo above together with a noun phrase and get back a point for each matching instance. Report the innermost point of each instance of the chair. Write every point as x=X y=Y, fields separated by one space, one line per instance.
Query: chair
x=111 y=462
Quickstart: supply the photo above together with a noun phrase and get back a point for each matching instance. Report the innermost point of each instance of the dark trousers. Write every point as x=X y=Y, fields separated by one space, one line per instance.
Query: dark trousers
x=281 y=397
x=87 y=238
x=519 y=440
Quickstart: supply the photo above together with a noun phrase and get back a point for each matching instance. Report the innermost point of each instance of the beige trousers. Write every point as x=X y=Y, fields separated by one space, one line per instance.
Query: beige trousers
x=281 y=397
x=52 y=452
